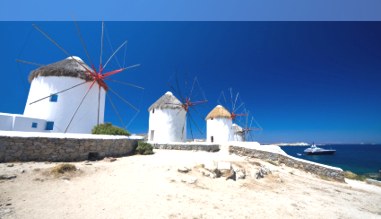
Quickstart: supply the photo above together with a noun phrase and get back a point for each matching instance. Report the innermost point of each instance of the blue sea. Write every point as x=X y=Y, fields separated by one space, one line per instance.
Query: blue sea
x=362 y=159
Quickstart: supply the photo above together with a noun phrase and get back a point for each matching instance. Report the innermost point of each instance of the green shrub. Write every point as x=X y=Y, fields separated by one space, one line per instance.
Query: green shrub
x=351 y=175
x=109 y=129
x=144 y=148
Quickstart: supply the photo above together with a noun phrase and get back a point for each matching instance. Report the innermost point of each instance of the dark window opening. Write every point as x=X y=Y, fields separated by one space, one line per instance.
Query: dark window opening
x=153 y=111
x=53 y=98
x=49 y=125
x=93 y=156
x=34 y=124
x=211 y=139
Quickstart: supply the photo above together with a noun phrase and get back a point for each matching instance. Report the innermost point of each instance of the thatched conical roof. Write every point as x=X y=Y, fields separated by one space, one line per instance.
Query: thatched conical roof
x=167 y=101
x=218 y=112
x=66 y=68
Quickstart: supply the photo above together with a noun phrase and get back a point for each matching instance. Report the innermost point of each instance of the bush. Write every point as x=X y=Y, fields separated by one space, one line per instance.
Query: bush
x=144 y=148
x=351 y=175
x=109 y=129
x=63 y=168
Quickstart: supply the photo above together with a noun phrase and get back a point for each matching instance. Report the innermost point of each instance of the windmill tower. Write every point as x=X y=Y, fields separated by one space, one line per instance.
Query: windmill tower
x=58 y=108
x=219 y=125
x=167 y=120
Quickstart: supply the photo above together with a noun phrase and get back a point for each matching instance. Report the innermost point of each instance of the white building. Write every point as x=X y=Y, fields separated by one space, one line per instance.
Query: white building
x=67 y=110
x=15 y=122
x=167 y=120
x=219 y=125
x=238 y=133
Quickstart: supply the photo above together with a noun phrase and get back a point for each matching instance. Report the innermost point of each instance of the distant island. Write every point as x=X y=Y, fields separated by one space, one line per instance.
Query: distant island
x=293 y=144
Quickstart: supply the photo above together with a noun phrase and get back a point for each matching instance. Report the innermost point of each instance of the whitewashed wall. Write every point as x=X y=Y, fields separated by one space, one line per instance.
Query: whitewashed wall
x=15 y=122
x=220 y=129
x=167 y=125
x=60 y=112
x=6 y=121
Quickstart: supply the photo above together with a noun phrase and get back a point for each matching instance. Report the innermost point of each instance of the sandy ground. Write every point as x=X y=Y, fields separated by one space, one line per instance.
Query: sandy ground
x=151 y=187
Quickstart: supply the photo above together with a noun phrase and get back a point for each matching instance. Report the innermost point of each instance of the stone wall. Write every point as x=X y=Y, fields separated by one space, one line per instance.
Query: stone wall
x=189 y=147
x=13 y=148
x=324 y=171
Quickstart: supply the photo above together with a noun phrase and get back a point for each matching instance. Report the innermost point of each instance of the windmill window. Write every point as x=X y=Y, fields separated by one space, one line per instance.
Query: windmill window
x=153 y=111
x=49 y=126
x=34 y=124
x=53 y=98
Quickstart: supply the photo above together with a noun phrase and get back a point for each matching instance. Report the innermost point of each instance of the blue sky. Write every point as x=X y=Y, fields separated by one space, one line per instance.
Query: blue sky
x=303 y=81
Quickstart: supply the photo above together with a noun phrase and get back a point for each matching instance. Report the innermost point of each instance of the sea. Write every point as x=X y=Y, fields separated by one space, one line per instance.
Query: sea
x=362 y=159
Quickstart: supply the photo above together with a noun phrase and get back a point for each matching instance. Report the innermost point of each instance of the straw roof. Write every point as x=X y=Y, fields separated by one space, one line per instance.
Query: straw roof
x=167 y=101
x=66 y=68
x=218 y=112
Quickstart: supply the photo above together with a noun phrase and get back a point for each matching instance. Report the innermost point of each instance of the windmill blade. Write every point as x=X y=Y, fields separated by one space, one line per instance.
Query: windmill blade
x=125 y=83
x=99 y=103
x=231 y=99
x=115 y=109
x=222 y=94
x=190 y=116
x=29 y=63
x=241 y=105
x=133 y=118
x=192 y=88
x=61 y=48
x=198 y=113
x=190 y=127
x=101 y=53
x=76 y=110
x=62 y=91
x=235 y=102
x=124 y=57
x=116 y=51
x=124 y=100
x=83 y=43
x=112 y=49
x=108 y=74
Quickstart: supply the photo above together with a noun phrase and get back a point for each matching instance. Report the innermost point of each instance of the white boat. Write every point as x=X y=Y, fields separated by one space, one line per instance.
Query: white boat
x=314 y=150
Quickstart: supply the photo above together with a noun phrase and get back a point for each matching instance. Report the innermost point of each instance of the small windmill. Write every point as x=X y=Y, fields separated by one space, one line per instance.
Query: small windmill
x=193 y=98
x=91 y=77
x=250 y=124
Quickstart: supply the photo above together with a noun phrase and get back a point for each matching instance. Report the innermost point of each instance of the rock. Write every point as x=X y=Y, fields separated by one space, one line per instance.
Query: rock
x=22 y=171
x=10 y=165
x=373 y=182
x=109 y=159
x=208 y=173
x=231 y=175
x=224 y=165
x=240 y=174
x=7 y=177
x=262 y=172
x=183 y=170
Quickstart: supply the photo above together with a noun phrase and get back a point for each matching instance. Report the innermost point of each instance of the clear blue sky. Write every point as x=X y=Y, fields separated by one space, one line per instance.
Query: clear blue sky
x=304 y=81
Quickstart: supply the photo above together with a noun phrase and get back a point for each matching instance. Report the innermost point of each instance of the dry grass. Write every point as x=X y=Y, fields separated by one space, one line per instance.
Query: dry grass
x=63 y=168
